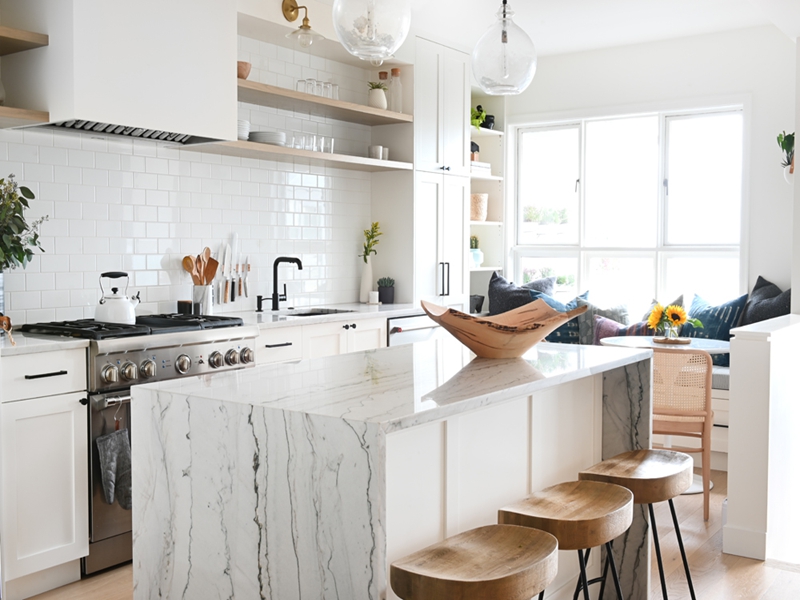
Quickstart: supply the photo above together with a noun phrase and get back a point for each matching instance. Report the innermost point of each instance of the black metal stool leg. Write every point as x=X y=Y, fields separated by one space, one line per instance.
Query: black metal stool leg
x=680 y=544
x=603 y=579
x=541 y=596
x=584 y=582
x=579 y=584
x=658 y=552
x=610 y=559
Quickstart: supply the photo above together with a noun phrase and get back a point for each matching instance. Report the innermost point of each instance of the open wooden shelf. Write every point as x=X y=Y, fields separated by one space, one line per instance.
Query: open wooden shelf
x=487 y=223
x=479 y=177
x=18 y=117
x=281 y=98
x=482 y=132
x=17 y=40
x=270 y=152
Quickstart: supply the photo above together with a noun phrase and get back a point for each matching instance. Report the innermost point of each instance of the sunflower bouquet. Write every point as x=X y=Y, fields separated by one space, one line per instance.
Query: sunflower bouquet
x=667 y=321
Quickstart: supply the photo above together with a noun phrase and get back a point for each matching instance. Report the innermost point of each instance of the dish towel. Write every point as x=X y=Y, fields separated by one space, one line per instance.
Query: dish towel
x=115 y=467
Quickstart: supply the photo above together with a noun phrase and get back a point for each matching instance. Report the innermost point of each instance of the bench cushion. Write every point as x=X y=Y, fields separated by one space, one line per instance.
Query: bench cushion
x=720 y=378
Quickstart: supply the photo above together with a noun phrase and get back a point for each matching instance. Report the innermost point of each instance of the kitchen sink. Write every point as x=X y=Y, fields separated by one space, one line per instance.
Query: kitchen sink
x=315 y=312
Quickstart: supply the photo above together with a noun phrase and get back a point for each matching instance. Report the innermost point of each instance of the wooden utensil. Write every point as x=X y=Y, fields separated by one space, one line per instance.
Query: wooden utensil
x=198 y=269
x=188 y=266
x=211 y=270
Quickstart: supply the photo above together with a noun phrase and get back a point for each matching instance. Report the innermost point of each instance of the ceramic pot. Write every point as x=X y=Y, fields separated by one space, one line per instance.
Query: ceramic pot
x=488 y=122
x=377 y=99
x=243 y=69
x=366 y=280
x=477 y=257
x=386 y=295
x=788 y=175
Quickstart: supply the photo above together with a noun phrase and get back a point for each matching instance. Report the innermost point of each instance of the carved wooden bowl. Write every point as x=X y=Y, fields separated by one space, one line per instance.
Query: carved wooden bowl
x=507 y=335
x=243 y=69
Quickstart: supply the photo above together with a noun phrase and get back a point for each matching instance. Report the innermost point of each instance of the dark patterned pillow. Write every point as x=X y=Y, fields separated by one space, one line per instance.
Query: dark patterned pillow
x=717 y=322
x=604 y=328
x=766 y=301
x=678 y=301
x=505 y=296
x=586 y=320
x=568 y=332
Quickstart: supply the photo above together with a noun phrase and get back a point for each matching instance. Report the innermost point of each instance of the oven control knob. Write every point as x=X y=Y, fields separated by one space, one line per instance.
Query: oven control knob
x=183 y=363
x=215 y=360
x=148 y=368
x=129 y=371
x=109 y=374
x=232 y=357
x=246 y=356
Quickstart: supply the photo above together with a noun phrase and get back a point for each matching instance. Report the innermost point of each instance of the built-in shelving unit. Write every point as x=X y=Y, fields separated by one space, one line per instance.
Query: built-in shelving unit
x=485 y=269
x=19 y=117
x=479 y=177
x=282 y=153
x=281 y=98
x=18 y=40
x=483 y=132
x=486 y=223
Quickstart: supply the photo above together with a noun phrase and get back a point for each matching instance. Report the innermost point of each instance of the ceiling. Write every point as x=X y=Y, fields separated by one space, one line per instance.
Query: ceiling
x=560 y=26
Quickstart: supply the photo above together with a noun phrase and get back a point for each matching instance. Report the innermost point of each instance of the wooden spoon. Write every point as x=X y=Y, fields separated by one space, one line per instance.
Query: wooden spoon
x=188 y=266
x=198 y=269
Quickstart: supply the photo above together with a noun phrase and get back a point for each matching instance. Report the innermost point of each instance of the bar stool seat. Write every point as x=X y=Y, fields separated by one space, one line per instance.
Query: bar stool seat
x=580 y=514
x=487 y=563
x=652 y=476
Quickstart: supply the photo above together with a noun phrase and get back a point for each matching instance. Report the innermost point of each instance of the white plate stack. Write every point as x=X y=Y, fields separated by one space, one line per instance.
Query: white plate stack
x=277 y=138
x=243 y=129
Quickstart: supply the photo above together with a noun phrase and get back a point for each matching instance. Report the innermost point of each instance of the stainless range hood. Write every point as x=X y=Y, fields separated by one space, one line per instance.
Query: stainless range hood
x=150 y=69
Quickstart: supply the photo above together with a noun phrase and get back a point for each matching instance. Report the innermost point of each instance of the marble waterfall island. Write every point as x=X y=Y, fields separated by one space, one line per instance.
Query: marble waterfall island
x=307 y=479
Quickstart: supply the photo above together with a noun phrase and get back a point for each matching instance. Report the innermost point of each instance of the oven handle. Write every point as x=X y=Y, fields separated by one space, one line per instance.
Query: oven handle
x=109 y=401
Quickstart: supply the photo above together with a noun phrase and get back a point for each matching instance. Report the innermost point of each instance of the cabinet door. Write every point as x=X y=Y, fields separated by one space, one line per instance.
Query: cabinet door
x=455 y=116
x=279 y=345
x=369 y=334
x=428 y=105
x=428 y=267
x=454 y=225
x=324 y=339
x=45 y=483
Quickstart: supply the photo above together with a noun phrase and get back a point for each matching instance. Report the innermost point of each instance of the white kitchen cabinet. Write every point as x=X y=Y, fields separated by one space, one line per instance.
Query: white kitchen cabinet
x=340 y=337
x=45 y=484
x=32 y=376
x=441 y=109
x=441 y=219
x=280 y=344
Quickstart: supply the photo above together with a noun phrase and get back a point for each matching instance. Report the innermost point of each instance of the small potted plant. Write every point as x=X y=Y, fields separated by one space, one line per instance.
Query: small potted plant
x=667 y=322
x=786 y=142
x=386 y=290
x=371 y=240
x=477 y=116
x=377 y=95
x=475 y=251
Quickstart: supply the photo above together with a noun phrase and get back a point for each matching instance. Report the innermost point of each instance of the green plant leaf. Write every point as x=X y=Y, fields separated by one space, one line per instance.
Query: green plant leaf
x=26 y=192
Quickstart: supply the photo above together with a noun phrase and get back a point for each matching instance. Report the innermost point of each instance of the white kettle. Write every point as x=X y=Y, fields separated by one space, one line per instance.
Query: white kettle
x=114 y=307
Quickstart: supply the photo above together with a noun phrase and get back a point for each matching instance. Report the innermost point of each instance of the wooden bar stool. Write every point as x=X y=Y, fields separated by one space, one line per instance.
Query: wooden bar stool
x=581 y=515
x=653 y=476
x=488 y=563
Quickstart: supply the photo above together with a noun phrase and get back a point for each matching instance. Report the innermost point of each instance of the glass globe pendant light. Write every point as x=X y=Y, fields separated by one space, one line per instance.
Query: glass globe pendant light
x=504 y=59
x=372 y=30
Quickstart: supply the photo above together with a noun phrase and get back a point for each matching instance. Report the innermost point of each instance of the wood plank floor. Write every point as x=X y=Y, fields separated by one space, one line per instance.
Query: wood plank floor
x=716 y=576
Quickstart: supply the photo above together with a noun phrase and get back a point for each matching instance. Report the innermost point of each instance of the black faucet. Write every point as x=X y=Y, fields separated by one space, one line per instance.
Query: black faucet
x=276 y=297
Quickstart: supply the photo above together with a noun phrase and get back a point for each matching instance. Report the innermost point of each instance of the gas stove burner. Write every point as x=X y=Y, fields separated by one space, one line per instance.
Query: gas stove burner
x=88 y=329
x=199 y=321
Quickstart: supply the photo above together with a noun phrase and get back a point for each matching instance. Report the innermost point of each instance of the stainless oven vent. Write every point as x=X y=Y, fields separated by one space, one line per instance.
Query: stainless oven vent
x=135 y=132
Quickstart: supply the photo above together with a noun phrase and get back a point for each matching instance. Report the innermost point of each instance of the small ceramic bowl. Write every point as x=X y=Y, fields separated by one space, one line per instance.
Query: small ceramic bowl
x=243 y=69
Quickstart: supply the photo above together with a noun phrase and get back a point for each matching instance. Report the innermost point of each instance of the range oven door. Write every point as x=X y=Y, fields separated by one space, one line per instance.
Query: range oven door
x=110 y=539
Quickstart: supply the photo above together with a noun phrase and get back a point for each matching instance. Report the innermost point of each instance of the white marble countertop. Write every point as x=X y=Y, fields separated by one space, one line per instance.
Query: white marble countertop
x=30 y=343
x=402 y=386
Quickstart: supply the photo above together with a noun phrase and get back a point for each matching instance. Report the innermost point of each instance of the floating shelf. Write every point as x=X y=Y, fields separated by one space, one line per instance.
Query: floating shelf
x=484 y=132
x=479 y=177
x=18 y=117
x=487 y=223
x=17 y=40
x=270 y=152
x=281 y=98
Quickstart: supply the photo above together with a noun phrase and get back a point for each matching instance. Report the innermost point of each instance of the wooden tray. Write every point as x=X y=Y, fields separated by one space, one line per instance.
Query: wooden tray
x=671 y=341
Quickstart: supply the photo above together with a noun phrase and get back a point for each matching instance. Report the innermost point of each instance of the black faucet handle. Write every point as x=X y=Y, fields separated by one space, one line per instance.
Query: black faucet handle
x=282 y=297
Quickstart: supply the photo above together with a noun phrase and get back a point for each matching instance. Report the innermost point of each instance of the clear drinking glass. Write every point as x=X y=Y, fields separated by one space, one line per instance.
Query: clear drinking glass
x=311 y=86
x=311 y=141
x=327 y=145
x=319 y=88
x=335 y=91
x=301 y=86
x=327 y=89
x=299 y=141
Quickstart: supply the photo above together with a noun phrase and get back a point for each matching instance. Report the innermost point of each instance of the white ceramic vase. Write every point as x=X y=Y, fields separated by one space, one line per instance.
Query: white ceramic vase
x=366 y=280
x=377 y=99
x=788 y=175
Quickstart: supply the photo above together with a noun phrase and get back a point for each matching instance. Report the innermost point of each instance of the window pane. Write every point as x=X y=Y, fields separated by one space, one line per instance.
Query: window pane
x=704 y=171
x=547 y=200
x=715 y=278
x=622 y=280
x=621 y=192
x=565 y=270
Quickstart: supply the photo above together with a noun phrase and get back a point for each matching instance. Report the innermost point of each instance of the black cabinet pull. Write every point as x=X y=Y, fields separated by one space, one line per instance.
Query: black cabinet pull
x=43 y=375
x=351 y=326
x=84 y=401
x=442 y=291
x=283 y=345
x=448 y=278
x=447 y=168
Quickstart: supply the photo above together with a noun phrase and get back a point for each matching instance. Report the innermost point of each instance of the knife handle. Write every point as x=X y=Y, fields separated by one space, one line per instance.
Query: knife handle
x=227 y=291
x=233 y=288
x=241 y=283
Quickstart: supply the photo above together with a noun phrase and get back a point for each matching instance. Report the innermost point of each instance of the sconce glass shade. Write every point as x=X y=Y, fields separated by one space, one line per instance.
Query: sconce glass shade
x=305 y=36
x=372 y=30
x=504 y=59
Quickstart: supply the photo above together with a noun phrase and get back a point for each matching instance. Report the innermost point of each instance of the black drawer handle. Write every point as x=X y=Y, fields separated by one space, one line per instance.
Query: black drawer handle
x=283 y=345
x=43 y=375
x=353 y=326
x=84 y=401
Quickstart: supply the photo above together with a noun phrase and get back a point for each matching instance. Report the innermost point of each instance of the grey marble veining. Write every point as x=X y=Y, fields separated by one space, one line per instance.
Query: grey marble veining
x=271 y=482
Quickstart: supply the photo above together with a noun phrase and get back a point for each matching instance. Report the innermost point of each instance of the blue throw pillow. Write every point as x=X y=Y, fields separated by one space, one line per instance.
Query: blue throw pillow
x=569 y=332
x=717 y=322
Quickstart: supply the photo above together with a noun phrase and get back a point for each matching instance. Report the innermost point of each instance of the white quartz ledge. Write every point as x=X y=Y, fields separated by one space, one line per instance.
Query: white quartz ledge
x=34 y=344
x=285 y=317
x=402 y=386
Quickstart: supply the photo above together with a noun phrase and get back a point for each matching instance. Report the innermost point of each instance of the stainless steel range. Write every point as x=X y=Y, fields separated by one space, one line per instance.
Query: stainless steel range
x=157 y=348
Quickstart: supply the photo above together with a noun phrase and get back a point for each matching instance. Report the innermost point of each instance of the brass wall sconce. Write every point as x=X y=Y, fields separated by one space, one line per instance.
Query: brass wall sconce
x=304 y=35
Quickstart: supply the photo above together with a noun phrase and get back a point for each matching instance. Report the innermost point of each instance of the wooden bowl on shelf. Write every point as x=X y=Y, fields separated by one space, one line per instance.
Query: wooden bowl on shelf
x=507 y=335
x=243 y=69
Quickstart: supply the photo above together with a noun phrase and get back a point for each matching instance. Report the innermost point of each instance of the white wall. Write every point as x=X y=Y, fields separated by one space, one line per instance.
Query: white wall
x=796 y=253
x=140 y=206
x=757 y=64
